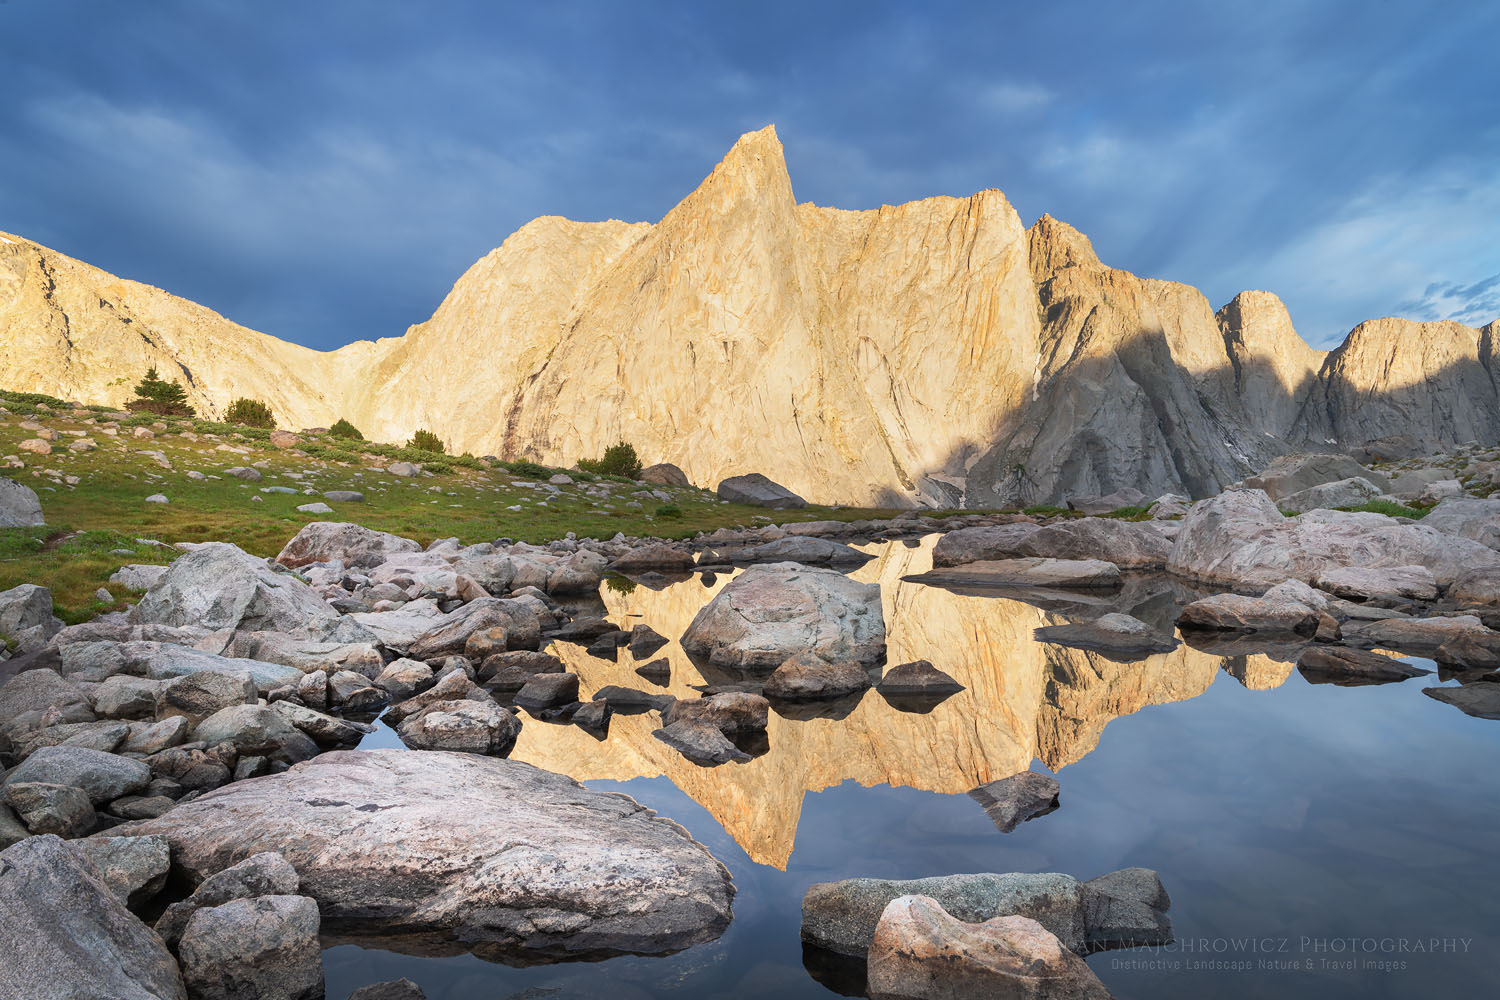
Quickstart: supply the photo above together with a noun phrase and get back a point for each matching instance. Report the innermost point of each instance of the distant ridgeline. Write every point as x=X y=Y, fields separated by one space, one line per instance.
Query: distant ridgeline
x=933 y=351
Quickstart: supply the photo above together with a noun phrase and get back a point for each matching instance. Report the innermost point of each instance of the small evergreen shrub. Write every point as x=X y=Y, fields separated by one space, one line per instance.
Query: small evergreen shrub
x=526 y=470
x=438 y=468
x=344 y=429
x=669 y=510
x=153 y=394
x=425 y=440
x=250 y=413
x=619 y=460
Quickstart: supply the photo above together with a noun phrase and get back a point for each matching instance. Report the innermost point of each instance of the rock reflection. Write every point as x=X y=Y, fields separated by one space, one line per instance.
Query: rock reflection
x=1022 y=700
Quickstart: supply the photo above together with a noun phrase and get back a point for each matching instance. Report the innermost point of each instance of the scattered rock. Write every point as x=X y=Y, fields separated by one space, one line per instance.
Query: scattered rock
x=1114 y=634
x=244 y=472
x=645 y=640
x=657 y=671
x=700 y=743
x=756 y=490
x=1012 y=801
x=664 y=474
x=315 y=508
x=808 y=675
x=139 y=576
x=404 y=470
x=344 y=496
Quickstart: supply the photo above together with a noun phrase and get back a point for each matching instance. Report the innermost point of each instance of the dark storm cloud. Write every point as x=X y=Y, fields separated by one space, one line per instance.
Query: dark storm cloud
x=325 y=171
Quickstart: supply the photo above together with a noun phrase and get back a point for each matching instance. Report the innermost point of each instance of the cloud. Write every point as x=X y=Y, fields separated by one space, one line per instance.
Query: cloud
x=1016 y=98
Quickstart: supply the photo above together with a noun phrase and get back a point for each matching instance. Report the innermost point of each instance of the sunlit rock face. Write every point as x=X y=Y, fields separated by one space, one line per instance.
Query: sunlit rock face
x=1023 y=700
x=936 y=350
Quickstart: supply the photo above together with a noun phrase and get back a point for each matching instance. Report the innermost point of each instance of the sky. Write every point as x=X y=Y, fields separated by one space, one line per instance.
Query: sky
x=325 y=171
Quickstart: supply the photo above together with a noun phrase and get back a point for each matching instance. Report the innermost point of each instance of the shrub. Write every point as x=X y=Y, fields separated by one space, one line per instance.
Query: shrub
x=344 y=429
x=1389 y=508
x=468 y=461
x=619 y=460
x=425 y=440
x=250 y=413
x=32 y=399
x=1045 y=510
x=669 y=510
x=620 y=584
x=153 y=394
x=525 y=469
x=1129 y=513
x=438 y=468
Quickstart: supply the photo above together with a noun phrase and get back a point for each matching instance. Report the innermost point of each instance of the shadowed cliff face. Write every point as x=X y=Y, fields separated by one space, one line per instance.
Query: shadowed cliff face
x=1023 y=700
x=933 y=350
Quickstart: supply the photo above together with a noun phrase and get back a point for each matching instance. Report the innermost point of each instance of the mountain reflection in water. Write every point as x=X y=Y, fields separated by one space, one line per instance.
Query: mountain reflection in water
x=1023 y=700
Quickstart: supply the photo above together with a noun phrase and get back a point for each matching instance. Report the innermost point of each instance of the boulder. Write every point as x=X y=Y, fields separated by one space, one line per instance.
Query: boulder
x=645 y=640
x=245 y=472
x=982 y=544
x=36 y=691
x=1479 y=700
x=548 y=691
x=344 y=496
x=12 y=830
x=354 y=545
x=356 y=649
x=580 y=573
x=1467 y=517
x=1291 y=474
x=1351 y=667
x=449 y=635
x=125 y=697
x=451 y=688
x=403 y=678
x=1109 y=503
x=624 y=699
x=62 y=810
x=395 y=989
x=165 y=661
x=65 y=934
x=1241 y=540
x=404 y=470
x=1418 y=636
x=701 y=743
x=917 y=686
x=257 y=730
x=664 y=474
x=1443 y=489
x=511 y=670
x=1127 y=909
x=1350 y=492
x=466 y=726
x=135 y=868
x=138 y=576
x=105 y=736
x=1081 y=574
x=153 y=737
x=770 y=612
x=218 y=585
x=1477 y=588
x=1012 y=801
x=1128 y=544
x=197 y=696
x=654 y=556
x=101 y=776
x=26 y=616
x=658 y=671
x=733 y=713
x=19 y=506
x=802 y=549
x=921 y=952
x=324 y=730
x=806 y=676
x=1360 y=584
x=1470 y=649
x=265 y=947
x=1291 y=606
x=534 y=865
x=758 y=491
x=1114 y=634
x=264 y=874
x=192 y=768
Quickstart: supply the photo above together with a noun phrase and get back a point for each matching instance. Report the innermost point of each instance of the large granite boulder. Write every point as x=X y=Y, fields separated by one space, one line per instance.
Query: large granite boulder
x=218 y=585
x=773 y=611
x=1291 y=474
x=264 y=874
x=534 y=866
x=920 y=951
x=19 y=506
x=1241 y=540
x=1291 y=606
x=265 y=947
x=1344 y=493
x=134 y=867
x=464 y=726
x=757 y=490
x=101 y=776
x=1358 y=584
x=1468 y=517
x=1069 y=574
x=356 y=546
x=802 y=549
x=1127 y=544
x=66 y=935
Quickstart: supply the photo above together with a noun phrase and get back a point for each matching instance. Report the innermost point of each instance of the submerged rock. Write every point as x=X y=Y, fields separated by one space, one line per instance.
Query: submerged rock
x=1480 y=700
x=549 y=869
x=1012 y=801
x=1117 y=634
x=700 y=742
x=1352 y=667
x=810 y=676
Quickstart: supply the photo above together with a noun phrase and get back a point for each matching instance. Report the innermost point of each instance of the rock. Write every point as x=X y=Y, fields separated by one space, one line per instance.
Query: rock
x=842 y=916
x=355 y=546
x=510 y=671
x=37 y=691
x=664 y=474
x=396 y=989
x=193 y=769
x=645 y=640
x=700 y=743
x=266 y=947
x=770 y=612
x=12 y=830
x=548 y=691
x=1118 y=500
x=135 y=868
x=1470 y=649
x=102 y=776
x=1012 y=801
x=656 y=671
x=19 y=506
x=1477 y=588
x=921 y=952
x=36 y=446
x=1114 y=634
x=581 y=572
x=607 y=646
x=1342 y=665
x=25 y=608
x=264 y=874
x=802 y=549
x=549 y=869
x=1083 y=574
x=654 y=556
x=1290 y=606
x=344 y=496
x=733 y=713
x=1443 y=489
x=593 y=716
x=158 y=498
x=808 y=676
x=405 y=470
x=284 y=439
x=403 y=678
x=756 y=490
x=481 y=727
x=451 y=688
x=313 y=689
x=244 y=472
x=1419 y=636
x=314 y=508
x=624 y=699
x=197 y=696
x=1128 y=909
x=219 y=586
x=152 y=737
x=1292 y=474
x=1466 y=517
x=1127 y=544
x=449 y=636
x=140 y=806
x=1357 y=584
x=1241 y=540
x=45 y=807
x=324 y=730
x=258 y=730
x=917 y=686
x=1411 y=482
x=1479 y=700
x=65 y=935
x=1344 y=493
x=138 y=576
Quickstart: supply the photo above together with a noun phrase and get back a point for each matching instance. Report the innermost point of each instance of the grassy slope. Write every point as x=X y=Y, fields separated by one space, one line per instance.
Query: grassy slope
x=106 y=509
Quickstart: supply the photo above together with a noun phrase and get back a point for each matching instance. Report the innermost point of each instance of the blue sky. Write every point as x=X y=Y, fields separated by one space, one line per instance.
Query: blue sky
x=325 y=171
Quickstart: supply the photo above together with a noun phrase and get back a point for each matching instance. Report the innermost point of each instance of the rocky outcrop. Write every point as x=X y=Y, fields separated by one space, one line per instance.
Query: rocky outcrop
x=218 y=585
x=534 y=865
x=933 y=350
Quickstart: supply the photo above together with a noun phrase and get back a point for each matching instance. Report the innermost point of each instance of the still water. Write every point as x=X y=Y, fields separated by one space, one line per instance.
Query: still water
x=1317 y=841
